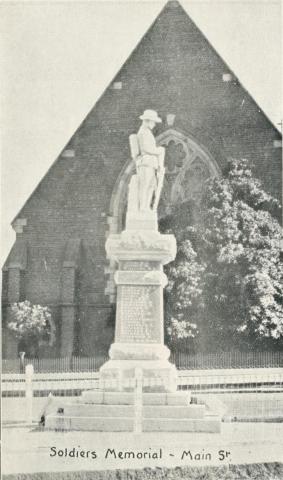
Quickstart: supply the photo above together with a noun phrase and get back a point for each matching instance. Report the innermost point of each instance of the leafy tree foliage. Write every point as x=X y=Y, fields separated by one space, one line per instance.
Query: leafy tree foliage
x=29 y=320
x=225 y=286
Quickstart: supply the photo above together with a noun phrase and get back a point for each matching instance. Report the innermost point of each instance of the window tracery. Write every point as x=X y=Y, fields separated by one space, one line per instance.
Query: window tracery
x=187 y=167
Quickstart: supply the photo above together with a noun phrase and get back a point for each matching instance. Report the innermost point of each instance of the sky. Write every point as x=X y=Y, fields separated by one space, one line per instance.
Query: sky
x=58 y=57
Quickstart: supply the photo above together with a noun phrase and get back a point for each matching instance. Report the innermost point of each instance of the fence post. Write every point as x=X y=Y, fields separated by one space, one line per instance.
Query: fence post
x=29 y=392
x=22 y=361
x=138 y=401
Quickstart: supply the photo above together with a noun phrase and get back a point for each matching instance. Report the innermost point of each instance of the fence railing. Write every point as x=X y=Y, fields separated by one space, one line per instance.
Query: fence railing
x=227 y=360
x=237 y=389
x=55 y=365
x=72 y=383
x=227 y=381
x=182 y=360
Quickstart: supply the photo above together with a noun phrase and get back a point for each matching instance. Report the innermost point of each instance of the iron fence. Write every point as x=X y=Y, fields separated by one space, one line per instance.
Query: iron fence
x=182 y=360
x=227 y=360
x=54 y=365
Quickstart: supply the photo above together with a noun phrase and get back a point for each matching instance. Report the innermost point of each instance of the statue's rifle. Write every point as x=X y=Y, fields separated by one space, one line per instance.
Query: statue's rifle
x=160 y=177
x=134 y=147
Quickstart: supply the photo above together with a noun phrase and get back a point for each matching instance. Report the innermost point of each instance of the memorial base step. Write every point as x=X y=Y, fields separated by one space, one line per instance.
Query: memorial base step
x=128 y=398
x=148 y=411
x=209 y=424
x=106 y=411
x=158 y=375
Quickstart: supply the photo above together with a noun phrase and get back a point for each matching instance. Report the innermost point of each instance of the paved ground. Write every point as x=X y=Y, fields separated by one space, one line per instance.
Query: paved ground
x=28 y=450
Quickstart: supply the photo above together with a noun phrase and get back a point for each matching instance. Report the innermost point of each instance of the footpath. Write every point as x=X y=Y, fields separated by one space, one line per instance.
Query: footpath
x=29 y=449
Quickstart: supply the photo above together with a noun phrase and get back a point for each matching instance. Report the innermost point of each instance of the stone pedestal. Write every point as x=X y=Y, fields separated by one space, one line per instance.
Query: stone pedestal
x=139 y=333
x=137 y=386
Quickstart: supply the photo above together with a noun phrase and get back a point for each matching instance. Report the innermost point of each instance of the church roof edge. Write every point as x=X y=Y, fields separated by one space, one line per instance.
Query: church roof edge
x=170 y=4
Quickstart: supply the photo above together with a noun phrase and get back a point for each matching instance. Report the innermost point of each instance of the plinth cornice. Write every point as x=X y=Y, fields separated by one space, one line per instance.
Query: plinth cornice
x=141 y=245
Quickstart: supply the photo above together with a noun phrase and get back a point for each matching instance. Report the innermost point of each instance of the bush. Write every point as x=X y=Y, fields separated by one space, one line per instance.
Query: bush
x=225 y=286
x=30 y=323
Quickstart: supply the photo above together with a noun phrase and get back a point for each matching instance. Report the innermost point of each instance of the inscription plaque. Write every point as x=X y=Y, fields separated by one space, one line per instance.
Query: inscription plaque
x=137 y=314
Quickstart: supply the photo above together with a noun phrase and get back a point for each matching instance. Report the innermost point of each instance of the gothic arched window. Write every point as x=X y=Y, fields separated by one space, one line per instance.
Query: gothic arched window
x=188 y=165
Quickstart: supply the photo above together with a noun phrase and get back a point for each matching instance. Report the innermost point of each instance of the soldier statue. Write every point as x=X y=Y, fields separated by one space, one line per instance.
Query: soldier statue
x=145 y=187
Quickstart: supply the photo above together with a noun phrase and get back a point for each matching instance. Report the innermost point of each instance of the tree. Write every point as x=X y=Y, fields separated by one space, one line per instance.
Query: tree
x=30 y=323
x=225 y=286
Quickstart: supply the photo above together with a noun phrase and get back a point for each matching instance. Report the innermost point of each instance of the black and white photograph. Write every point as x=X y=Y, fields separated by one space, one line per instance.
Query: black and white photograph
x=141 y=240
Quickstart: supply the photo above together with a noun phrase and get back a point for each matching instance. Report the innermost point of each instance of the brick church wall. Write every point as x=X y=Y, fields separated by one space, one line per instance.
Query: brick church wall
x=173 y=70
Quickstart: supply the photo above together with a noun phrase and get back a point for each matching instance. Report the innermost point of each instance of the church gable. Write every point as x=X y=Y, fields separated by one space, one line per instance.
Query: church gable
x=176 y=71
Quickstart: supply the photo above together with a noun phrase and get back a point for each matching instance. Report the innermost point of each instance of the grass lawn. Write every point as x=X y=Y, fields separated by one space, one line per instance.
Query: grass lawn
x=258 y=471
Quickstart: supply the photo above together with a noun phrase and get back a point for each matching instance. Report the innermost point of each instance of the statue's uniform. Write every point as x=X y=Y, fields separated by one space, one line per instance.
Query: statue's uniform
x=148 y=149
x=147 y=164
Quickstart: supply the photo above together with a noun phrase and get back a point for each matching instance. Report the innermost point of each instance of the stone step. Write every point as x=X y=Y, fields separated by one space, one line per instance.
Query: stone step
x=128 y=398
x=95 y=424
x=209 y=424
x=156 y=411
x=99 y=410
x=173 y=411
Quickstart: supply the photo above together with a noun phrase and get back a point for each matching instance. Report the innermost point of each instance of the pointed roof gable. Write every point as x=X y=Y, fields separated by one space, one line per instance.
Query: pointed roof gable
x=174 y=68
